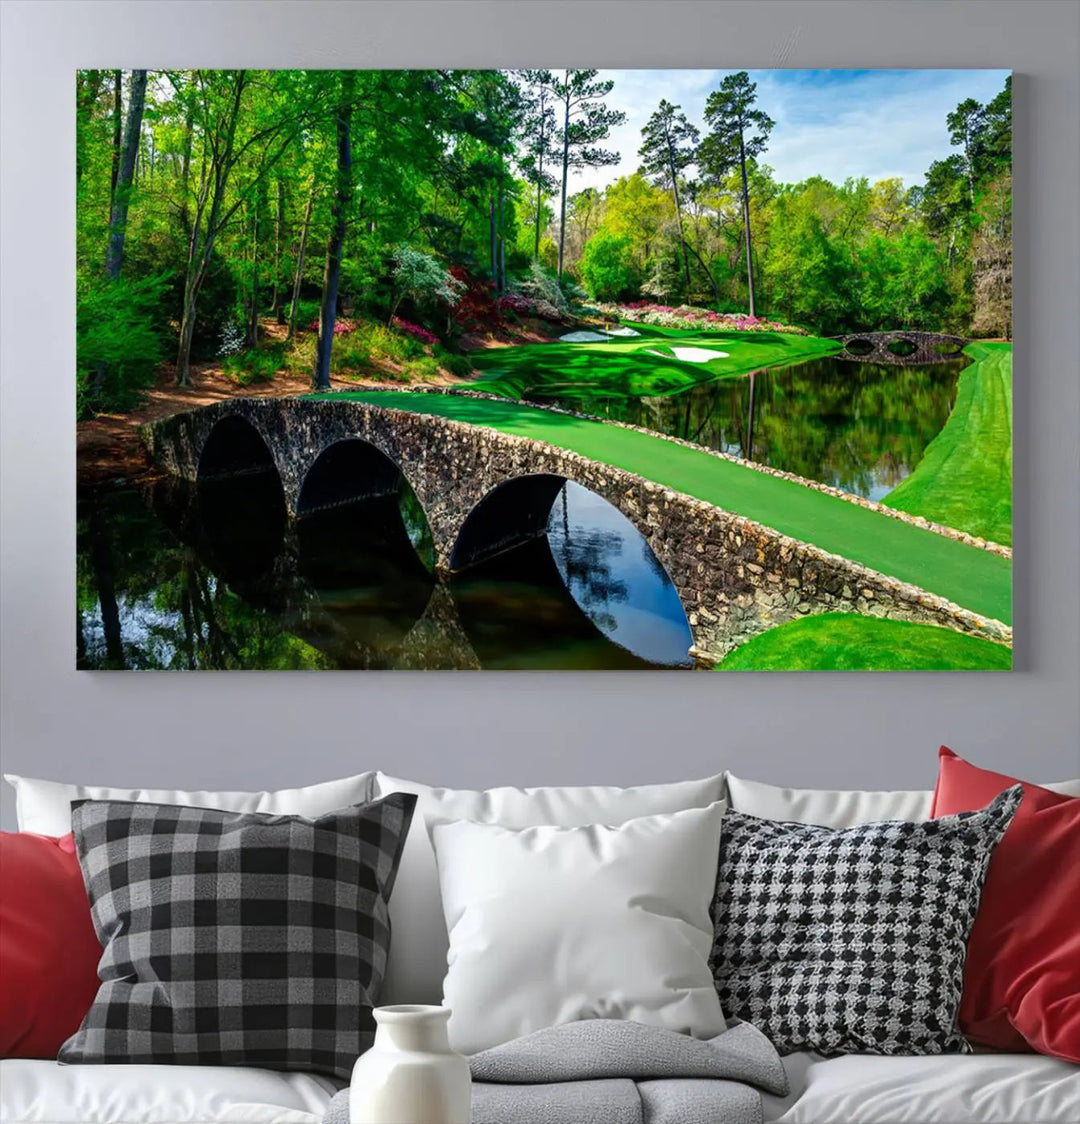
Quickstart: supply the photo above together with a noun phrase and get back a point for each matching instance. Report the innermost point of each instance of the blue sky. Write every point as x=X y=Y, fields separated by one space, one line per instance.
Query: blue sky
x=832 y=123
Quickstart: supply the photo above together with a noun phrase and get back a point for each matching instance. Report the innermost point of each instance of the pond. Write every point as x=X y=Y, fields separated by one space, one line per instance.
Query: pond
x=859 y=427
x=183 y=578
x=217 y=577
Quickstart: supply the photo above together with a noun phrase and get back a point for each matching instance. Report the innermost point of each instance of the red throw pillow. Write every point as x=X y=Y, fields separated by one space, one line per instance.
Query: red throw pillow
x=1022 y=974
x=48 y=950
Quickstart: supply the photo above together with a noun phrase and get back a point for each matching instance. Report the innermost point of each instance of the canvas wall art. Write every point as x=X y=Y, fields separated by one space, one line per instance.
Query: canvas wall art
x=544 y=369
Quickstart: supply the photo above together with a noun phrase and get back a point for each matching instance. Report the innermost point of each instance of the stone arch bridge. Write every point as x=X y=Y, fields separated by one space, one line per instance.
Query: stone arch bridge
x=901 y=347
x=484 y=491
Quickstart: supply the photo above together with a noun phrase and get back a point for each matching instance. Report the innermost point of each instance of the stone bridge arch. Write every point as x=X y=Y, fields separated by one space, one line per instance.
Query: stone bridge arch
x=925 y=347
x=735 y=578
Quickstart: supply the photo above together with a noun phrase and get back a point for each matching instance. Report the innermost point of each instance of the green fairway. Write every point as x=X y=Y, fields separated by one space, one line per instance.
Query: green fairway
x=973 y=578
x=627 y=367
x=849 y=642
x=965 y=477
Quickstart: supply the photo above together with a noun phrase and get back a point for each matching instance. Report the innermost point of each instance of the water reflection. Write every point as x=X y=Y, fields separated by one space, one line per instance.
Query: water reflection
x=860 y=427
x=166 y=580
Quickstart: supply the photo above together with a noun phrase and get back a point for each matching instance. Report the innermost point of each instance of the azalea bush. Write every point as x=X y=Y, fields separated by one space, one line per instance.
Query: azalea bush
x=690 y=317
x=415 y=330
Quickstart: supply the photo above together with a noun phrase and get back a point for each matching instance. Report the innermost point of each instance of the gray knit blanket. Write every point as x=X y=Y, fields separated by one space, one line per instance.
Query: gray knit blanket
x=605 y=1071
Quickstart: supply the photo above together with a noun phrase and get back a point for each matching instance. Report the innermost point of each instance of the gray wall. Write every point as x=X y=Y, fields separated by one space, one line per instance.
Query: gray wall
x=264 y=729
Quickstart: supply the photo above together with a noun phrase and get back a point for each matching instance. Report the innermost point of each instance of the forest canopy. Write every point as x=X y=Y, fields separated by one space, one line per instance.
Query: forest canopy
x=424 y=205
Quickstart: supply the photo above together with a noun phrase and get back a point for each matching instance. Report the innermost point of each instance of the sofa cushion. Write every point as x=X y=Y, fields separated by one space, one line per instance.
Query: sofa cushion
x=851 y=941
x=43 y=1092
x=550 y=925
x=836 y=808
x=420 y=942
x=1022 y=980
x=236 y=939
x=840 y=808
x=44 y=807
x=955 y=1089
x=49 y=952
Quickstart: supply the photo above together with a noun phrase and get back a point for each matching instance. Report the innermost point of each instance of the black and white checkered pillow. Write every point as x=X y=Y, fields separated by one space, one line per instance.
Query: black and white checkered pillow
x=237 y=939
x=852 y=941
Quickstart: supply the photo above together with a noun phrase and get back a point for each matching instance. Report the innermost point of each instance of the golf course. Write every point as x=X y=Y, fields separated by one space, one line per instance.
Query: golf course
x=974 y=578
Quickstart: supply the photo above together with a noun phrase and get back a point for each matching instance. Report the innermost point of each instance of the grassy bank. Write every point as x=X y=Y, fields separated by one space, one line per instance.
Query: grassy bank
x=965 y=477
x=849 y=642
x=973 y=578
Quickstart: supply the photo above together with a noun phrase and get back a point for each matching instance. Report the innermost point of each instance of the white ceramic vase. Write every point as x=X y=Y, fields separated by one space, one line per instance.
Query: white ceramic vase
x=410 y=1075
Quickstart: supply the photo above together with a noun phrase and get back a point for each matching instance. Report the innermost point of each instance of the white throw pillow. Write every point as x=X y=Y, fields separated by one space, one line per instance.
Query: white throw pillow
x=418 y=943
x=44 y=807
x=839 y=808
x=549 y=925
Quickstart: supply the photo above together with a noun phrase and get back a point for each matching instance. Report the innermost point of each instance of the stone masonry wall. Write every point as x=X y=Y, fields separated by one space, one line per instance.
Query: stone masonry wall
x=735 y=577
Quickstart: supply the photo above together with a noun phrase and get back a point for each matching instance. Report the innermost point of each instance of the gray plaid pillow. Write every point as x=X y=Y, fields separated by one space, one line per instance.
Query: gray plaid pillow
x=237 y=938
x=852 y=941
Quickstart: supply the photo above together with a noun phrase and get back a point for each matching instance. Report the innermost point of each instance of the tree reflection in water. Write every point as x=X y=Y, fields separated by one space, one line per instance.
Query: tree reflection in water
x=166 y=580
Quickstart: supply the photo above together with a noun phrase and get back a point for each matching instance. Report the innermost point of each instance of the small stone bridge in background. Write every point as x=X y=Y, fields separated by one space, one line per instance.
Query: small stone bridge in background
x=484 y=491
x=901 y=347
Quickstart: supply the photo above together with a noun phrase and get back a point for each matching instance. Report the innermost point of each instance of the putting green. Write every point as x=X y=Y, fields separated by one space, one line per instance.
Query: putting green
x=973 y=578
x=964 y=479
x=630 y=366
x=849 y=642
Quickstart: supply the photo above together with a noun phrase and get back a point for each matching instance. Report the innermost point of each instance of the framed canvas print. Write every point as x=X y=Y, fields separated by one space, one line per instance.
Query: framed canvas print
x=548 y=369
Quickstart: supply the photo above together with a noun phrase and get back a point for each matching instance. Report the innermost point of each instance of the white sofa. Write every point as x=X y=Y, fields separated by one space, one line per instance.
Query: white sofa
x=981 y=1088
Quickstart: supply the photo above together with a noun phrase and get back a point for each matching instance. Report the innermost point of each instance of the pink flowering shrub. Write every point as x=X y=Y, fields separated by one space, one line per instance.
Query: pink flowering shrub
x=342 y=326
x=515 y=302
x=414 y=330
x=690 y=317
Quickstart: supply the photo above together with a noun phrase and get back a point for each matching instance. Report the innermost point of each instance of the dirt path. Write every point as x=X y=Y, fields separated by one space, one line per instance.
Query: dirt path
x=108 y=447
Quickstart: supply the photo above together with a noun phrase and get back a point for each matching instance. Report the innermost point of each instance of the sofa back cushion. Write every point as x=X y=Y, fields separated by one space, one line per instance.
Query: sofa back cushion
x=420 y=942
x=44 y=807
x=236 y=939
x=840 y=808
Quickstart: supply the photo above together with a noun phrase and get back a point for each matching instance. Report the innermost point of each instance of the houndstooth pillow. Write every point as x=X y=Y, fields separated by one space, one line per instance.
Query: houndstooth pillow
x=851 y=941
x=237 y=938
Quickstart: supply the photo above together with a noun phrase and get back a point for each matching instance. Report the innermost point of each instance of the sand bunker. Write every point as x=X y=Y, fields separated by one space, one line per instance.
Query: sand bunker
x=599 y=336
x=583 y=337
x=691 y=354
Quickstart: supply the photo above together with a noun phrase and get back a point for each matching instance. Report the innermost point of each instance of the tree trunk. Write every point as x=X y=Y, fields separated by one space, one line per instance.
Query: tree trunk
x=118 y=122
x=114 y=255
x=539 y=206
x=277 y=309
x=493 y=248
x=253 y=308
x=678 y=217
x=336 y=241
x=746 y=224
x=199 y=259
x=565 y=170
x=708 y=275
x=122 y=194
x=185 y=174
x=300 y=264
x=501 y=268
